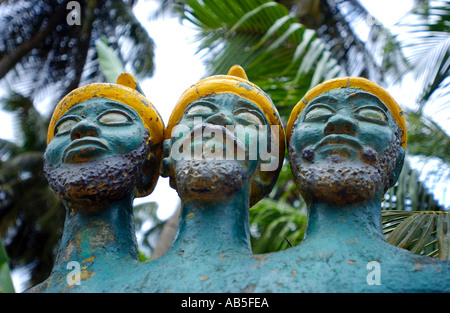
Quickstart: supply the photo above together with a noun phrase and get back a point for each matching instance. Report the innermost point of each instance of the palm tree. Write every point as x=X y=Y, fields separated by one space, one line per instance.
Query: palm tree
x=428 y=49
x=289 y=46
x=41 y=54
x=42 y=58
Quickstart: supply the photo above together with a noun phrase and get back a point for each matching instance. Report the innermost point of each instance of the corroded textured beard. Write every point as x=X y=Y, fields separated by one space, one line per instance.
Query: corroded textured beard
x=341 y=181
x=95 y=184
x=206 y=179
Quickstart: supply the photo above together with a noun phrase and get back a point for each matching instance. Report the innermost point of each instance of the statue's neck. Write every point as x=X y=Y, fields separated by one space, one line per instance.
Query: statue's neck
x=214 y=226
x=99 y=237
x=332 y=225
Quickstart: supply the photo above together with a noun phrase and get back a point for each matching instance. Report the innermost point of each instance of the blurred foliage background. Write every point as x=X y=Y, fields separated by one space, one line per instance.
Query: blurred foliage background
x=286 y=47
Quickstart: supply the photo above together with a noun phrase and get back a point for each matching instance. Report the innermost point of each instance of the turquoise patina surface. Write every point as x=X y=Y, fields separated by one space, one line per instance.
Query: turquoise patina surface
x=345 y=146
x=211 y=251
x=101 y=154
x=345 y=151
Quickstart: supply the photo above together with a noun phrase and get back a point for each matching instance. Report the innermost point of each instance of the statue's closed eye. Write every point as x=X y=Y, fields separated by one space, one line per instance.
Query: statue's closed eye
x=199 y=109
x=114 y=118
x=250 y=117
x=317 y=112
x=371 y=113
x=65 y=126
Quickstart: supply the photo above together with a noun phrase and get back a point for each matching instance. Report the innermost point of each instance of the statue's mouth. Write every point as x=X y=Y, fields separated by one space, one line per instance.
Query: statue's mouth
x=84 y=149
x=206 y=135
x=340 y=139
x=339 y=144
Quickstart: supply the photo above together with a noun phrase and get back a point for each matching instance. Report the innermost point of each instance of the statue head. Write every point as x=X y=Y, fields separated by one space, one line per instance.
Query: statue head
x=346 y=141
x=104 y=144
x=215 y=138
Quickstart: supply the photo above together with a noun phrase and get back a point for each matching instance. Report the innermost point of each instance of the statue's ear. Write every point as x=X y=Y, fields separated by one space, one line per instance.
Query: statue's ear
x=167 y=169
x=146 y=182
x=165 y=166
x=398 y=167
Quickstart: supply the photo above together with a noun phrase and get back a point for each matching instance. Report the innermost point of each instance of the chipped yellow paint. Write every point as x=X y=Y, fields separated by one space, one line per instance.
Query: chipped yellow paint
x=88 y=260
x=69 y=287
x=350 y=82
x=124 y=92
x=234 y=82
x=86 y=274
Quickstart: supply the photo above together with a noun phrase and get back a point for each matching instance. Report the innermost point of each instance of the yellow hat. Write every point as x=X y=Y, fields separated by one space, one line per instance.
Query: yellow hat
x=124 y=91
x=235 y=82
x=350 y=82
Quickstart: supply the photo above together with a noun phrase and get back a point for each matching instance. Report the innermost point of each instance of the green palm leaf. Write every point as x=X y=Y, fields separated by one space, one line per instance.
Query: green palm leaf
x=422 y=232
x=110 y=64
x=276 y=225
x=428 y=49
x=278 y=53
x=426 y=137
x=6 y=285
x=45 y=58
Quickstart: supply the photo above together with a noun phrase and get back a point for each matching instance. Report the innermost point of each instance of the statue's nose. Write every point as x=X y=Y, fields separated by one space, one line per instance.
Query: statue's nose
x=341 y=124
x=84 y=129
x=219 y=119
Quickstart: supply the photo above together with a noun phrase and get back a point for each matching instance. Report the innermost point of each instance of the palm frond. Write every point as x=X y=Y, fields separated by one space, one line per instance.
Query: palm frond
x=275 y=226
x=110 y=64
x=46 y=58
x=427 y=48
x=134 y=44
x=31 y=215
x=279 y=54
x=426 y=137
x=358 y=41
x=411 y=193
x=31 y=126
x=425 y=232
x=7 y=150
x=6 y=285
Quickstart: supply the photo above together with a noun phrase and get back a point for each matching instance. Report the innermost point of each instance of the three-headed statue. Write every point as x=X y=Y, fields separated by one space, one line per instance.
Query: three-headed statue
x=223 y=149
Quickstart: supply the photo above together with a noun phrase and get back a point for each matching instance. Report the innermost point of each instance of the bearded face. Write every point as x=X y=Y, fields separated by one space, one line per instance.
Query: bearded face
x=214 y=148
x=344 y=147
x=92 y=185
x=96 y=155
